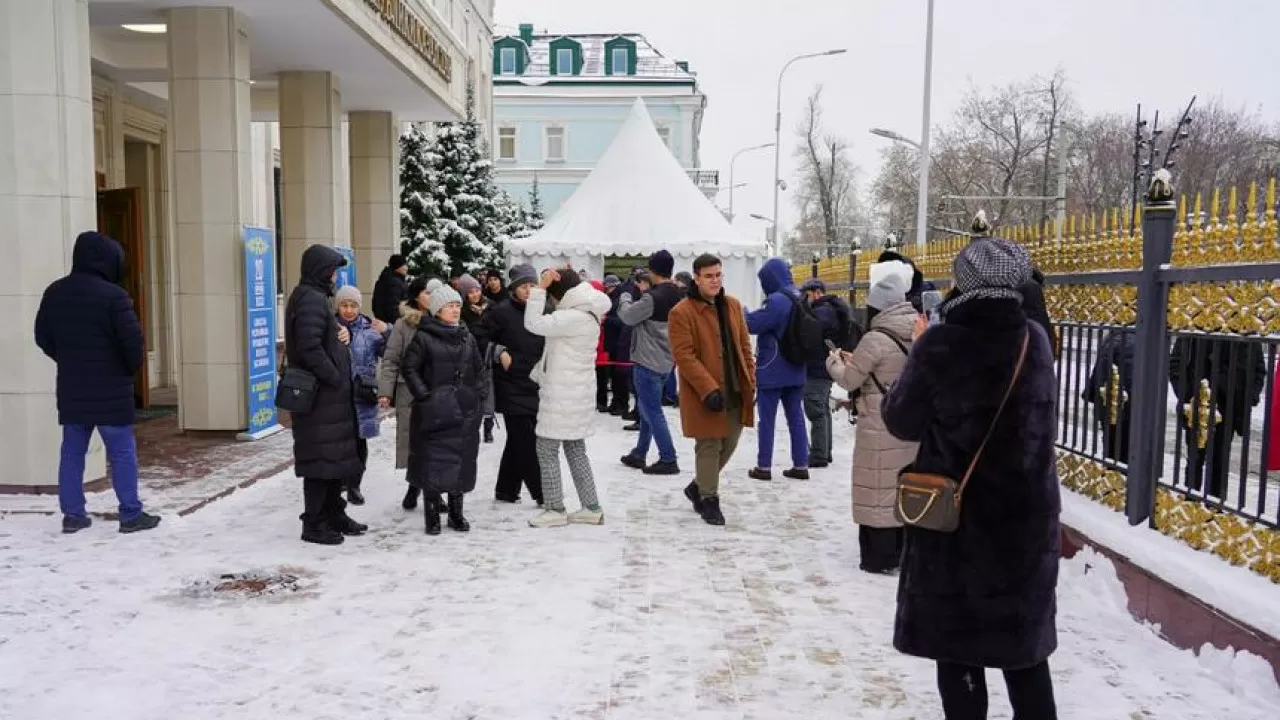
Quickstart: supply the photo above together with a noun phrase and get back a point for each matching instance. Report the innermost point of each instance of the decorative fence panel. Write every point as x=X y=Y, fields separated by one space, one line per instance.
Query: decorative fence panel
x=1169 y=339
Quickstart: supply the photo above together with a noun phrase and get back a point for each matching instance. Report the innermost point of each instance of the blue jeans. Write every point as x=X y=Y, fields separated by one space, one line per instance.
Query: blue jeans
x=122 y=457
x=793 y=407
x=653 y=424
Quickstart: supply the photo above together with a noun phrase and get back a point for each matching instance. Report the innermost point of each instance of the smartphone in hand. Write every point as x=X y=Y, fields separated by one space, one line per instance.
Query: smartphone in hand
x=930 y=301
x=830 y=345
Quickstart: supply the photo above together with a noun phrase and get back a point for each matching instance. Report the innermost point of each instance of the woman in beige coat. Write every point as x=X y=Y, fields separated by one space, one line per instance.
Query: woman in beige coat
x=392 y=389
x=873 y=367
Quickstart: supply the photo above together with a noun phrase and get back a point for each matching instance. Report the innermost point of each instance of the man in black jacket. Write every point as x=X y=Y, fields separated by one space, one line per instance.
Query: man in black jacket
x=516 y=393
x=1218 y=382
x=391 y=289
x=325 y=448
x=86 y=324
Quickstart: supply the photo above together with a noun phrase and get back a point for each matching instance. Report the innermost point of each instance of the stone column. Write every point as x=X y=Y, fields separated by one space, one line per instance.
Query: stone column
x=374 y=163
x=209 y=116
x=310 y=166
x=46 y=198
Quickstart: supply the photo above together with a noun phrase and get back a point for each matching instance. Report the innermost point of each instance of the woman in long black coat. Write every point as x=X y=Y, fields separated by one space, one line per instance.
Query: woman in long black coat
x=325 y=439
x=983 y=596
x=442 y=368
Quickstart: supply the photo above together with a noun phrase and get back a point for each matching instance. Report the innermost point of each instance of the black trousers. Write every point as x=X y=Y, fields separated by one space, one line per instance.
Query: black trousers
x=964 y=692
x=519 y=464
x=1210 y=469
x=604 y=373
x=881 y=548
x=1115 y=439
x=621 y=382
x=362 y=449
x=322 y=501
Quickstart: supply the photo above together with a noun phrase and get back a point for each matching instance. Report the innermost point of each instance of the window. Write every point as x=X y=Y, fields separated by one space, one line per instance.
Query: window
x=564 y=61
x=508 y=55
x=664 y=132
x=621 y=61
x=555 y=150
x=507 y=143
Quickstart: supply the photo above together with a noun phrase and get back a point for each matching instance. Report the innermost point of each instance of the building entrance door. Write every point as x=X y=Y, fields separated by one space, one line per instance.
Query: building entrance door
x=120 y=216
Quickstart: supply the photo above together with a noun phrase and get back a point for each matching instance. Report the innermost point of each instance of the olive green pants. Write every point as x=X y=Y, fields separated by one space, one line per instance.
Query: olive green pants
x=712 y=454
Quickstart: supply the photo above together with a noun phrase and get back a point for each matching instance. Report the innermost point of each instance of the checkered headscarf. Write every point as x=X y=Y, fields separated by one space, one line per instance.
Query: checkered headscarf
x=989 y=268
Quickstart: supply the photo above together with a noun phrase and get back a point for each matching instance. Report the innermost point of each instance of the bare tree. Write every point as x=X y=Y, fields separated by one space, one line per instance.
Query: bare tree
x=827 y=196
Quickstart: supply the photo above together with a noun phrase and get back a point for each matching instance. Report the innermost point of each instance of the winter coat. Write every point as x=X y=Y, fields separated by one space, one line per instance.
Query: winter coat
x=1235 y=369
x=877 y=455
x=769 y=325
x=515 y=393
x=566 y=372
x=391 y=382
x=646 y=315
x=697 y=329
x=86 y=324
x=324 y=440
x=985 y=594
x=1116 y=350
x=473 y=320
x=495 y=297
x=442 y=368
x=837 y=326
x=367 y=345
x=617 y=338
x=602 y=354
x=390 y=290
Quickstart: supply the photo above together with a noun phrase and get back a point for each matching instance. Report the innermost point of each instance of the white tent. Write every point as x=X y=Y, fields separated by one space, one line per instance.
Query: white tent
x=636 y=201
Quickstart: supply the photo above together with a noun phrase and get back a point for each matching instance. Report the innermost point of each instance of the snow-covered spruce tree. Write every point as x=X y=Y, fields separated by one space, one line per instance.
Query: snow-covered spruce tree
x=418 y=243
x=534 y=217
x=511 y=224
x=466 y=219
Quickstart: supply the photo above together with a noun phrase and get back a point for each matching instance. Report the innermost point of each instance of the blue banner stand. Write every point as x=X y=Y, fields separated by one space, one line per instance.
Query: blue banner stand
x=260 y=331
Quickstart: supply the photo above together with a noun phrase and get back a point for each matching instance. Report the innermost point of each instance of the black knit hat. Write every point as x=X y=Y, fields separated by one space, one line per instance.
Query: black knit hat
x=397 y=261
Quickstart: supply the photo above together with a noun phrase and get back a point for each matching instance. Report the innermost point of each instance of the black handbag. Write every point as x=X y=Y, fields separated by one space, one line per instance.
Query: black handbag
x=366 y=390
x=296 y=391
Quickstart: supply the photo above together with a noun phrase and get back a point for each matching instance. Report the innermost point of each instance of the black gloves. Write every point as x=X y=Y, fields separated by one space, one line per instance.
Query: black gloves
x=714 y=401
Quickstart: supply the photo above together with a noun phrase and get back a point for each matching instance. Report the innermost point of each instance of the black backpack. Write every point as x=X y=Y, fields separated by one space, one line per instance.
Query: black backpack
x=802 y=341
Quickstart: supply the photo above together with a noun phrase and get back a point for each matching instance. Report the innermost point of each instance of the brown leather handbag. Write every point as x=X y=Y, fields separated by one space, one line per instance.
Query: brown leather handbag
x=932 y=501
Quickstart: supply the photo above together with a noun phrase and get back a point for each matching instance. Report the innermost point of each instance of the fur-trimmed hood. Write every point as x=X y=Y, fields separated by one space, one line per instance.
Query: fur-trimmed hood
x=411 y=314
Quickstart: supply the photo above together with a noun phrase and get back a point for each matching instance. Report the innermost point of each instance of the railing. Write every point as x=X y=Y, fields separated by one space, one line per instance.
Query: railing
x=1169 y=406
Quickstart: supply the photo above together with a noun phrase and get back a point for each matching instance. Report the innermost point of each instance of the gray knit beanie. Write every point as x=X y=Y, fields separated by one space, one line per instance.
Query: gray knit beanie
x=441 y=297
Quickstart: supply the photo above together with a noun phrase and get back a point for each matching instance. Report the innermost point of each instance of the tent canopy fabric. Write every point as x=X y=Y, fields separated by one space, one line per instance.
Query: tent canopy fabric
x=637 y=200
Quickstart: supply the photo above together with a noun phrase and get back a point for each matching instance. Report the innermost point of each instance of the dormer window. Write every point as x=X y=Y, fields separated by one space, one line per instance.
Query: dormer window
x=508 y=61
x=566 y=56
x=620 y=56
x=510 y=56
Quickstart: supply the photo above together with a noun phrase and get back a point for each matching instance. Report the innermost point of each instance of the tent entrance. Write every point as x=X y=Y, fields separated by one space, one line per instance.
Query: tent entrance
x=621 y=265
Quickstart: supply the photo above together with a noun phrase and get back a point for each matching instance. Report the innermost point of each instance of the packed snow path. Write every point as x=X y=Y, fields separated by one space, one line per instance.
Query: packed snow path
x=654 y=615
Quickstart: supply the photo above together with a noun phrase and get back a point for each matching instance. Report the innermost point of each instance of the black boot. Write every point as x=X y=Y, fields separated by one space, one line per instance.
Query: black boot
x=410 y=501
x=354 y=496
x=797 y=473
x=711 y=514
x=456 y=520
x=760 y=474
x=431 y=512
x=441 y=507
x=321 y=534
x=695 y=497
x=488 y=430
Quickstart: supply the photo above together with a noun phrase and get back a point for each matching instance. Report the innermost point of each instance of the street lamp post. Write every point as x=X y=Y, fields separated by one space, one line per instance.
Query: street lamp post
x=777 y=129
x=773 y=231
x=922 y=202
x=733 y=160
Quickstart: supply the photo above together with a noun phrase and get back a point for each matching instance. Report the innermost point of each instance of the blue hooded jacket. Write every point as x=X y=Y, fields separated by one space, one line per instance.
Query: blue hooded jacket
x=86 y=324
x=769 y=324
x=367 y=345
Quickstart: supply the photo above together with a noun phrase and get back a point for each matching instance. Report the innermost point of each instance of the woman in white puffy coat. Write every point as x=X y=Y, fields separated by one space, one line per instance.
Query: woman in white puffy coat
x=566 y=390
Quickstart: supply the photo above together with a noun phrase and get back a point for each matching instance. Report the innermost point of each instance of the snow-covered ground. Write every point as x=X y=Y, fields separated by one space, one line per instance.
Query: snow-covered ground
x=653 y=615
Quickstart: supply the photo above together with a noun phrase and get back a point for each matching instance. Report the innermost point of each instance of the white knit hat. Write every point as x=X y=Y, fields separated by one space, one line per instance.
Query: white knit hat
x=890 y=291
x=442 y=296
x=348 y=293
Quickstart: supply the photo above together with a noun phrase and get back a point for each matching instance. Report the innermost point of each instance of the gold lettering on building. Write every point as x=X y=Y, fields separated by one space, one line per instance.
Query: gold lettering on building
x=413 y=31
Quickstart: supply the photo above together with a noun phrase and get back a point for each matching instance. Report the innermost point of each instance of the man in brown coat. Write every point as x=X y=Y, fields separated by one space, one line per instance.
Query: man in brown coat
x=712 y=352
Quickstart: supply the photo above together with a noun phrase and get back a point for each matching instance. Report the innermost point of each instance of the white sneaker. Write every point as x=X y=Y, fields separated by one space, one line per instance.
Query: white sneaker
x=587 y=517
x=549 y=518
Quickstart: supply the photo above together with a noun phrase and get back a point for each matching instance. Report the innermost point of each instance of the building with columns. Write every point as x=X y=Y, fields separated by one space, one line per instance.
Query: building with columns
x=172 y=125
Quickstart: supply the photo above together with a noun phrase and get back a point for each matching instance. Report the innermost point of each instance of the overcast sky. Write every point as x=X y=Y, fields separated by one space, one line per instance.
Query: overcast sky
x=1116 y=53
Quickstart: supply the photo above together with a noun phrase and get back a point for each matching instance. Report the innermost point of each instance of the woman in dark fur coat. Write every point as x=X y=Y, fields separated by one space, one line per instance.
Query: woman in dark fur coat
x=984 y=596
